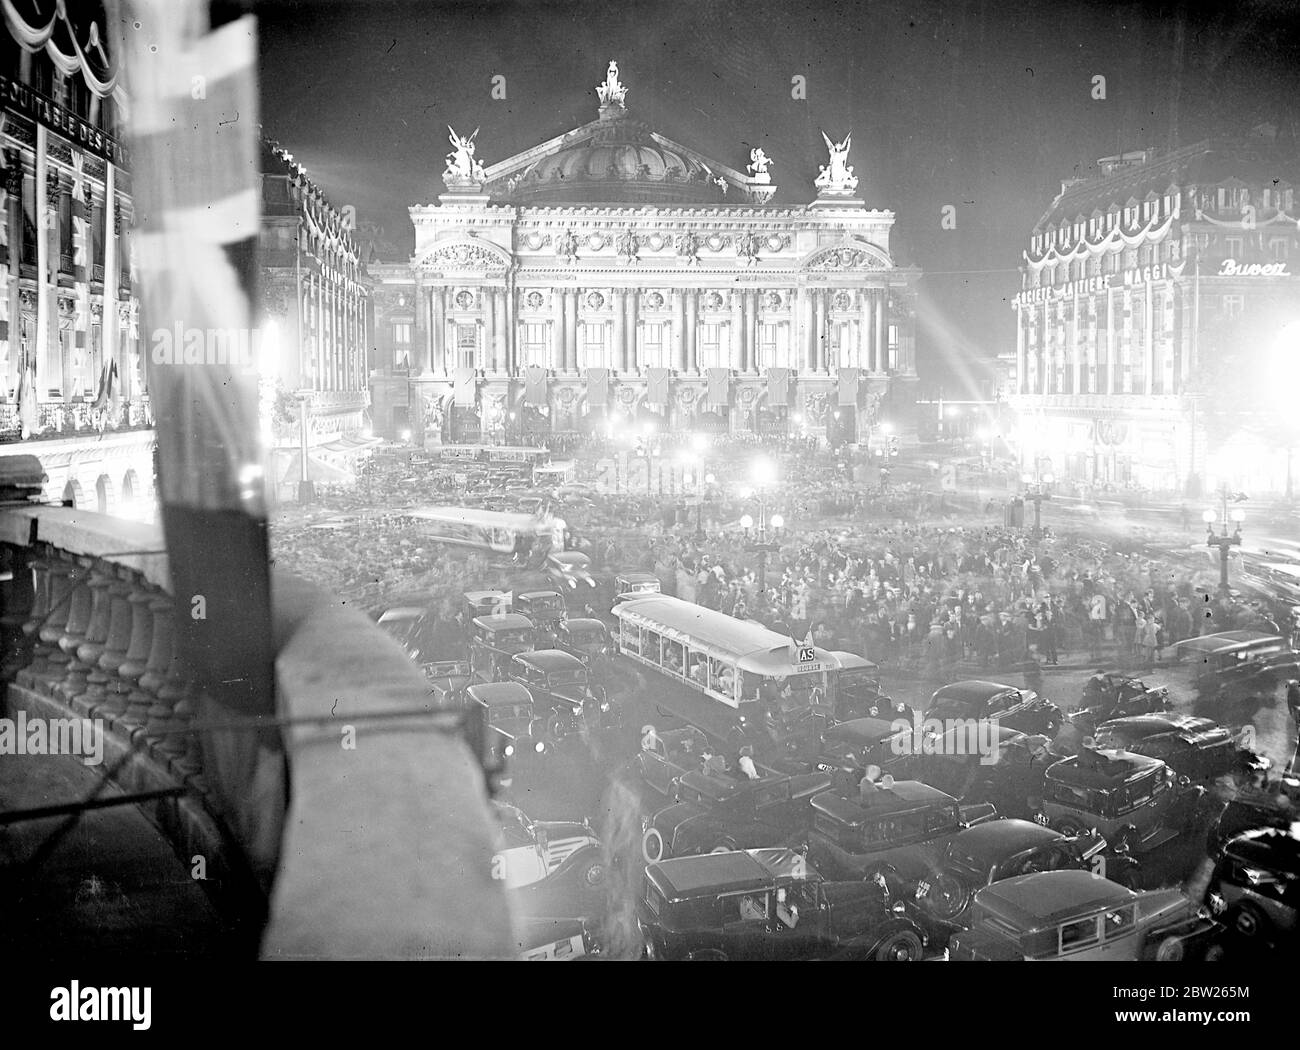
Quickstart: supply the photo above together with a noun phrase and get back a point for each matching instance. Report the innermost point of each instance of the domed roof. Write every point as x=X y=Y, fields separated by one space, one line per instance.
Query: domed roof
x=620 y=162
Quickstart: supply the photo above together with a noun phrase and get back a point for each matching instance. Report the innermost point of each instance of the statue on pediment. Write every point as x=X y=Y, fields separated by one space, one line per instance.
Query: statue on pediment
x=462 y=166
x=758 y=165
x=611 y=92
x=836 y=177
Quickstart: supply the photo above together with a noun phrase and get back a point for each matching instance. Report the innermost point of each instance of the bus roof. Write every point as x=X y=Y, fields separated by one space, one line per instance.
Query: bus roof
x=750 y=646
x=473 y=516
x=1226 y=641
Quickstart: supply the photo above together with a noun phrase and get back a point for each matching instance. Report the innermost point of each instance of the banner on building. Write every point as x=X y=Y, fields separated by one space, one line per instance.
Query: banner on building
x=465 y=387
x=535 y=385
x=656 y=387
x=719 y=386
x=848 y=386
x=778 y=387
x=597 y=387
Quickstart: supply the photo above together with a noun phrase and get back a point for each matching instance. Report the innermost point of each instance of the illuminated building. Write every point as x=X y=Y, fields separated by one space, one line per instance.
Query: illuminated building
x=1132 y=281
x=610 y=275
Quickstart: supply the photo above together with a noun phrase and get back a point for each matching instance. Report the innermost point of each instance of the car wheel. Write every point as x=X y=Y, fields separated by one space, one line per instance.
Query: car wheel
x=1249 y=921
x=903 y=946
x=592 y=875
x=652 y=845
x=947 y=897
x=1171 y=950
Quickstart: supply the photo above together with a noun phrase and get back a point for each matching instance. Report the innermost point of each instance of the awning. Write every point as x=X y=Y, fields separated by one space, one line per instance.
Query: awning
x=289 y=470
x=349 y=446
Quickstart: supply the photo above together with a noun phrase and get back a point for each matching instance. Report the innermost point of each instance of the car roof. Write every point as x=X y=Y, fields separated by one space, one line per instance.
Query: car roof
x=973 y=689
x=863 y=730
x=582 y=621
x=493 y=693
x=637 y=577
x=570 y=557
x=540 y=594
x=480 y=596
x=1225 y=641
x=1140 y=727
x=1047 y=898
x=711 y=873
x=551 y=660
x=1101 y=768
x=504 y=622
x=401 y=612
x=1274 y=848
x=996 y=840
x=905 y=796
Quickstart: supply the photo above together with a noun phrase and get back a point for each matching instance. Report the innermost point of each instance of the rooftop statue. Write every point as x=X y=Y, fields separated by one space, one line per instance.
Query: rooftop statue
x=612 y=93
x=462 y=167
x=837 y=177
x=758 y=165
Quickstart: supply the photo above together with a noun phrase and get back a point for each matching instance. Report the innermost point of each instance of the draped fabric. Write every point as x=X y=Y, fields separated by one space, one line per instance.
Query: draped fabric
x=465 y=386
x=778 y=387
x=719 y=386
x=535 y=385
x=848 y=386
x=73 y=35
x=656 y=387
x=597 y=387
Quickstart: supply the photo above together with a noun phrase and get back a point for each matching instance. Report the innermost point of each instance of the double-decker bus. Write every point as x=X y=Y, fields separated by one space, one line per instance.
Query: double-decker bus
x=489 y=530
x=739 y=672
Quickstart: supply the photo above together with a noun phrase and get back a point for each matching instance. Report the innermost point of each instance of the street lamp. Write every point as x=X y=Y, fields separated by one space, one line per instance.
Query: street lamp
x=709 y=482
x=1223 y=541
x=764 y=474
x=1036 y=492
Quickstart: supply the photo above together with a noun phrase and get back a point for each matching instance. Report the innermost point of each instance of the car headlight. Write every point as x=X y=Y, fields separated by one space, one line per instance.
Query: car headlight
x=510 y=750
x=573 y=583
x=539 y=747
x=605 y=706
x=898 y=908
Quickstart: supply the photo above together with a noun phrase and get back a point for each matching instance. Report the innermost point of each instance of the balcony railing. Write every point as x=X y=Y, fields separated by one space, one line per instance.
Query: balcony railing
x=56 y=418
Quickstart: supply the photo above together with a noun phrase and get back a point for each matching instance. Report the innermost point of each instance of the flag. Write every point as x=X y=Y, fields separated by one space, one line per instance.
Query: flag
x=778 y=387
x=656 y=386
x=466 y=388
x=597 y=387
x=535 y=385
x=848 y=386
x=719 y=386
x=28 y=414
x=104 y=396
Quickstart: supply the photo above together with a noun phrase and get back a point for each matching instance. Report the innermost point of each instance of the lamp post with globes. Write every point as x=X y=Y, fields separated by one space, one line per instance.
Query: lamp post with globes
x=1223 y=541
x=764 y=534
x=1036 y=492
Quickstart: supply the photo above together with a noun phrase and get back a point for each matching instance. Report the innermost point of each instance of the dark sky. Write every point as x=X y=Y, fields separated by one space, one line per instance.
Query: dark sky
x=982 y=104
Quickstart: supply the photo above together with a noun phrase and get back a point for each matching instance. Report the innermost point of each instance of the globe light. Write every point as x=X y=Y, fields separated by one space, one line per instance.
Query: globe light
x=797 y=417
x=709 y=479
x=953 y=411
x=405 y=435
x=1049 y=478
x=747 y=521
x=1027 y=478
x=886 y=428
x=778 y=522
x=1208 y=517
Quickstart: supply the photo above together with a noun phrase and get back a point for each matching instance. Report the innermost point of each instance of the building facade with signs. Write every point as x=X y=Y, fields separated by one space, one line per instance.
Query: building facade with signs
x=315 y=321
x=610 y=276
x=72 y=385
x=1133 y=284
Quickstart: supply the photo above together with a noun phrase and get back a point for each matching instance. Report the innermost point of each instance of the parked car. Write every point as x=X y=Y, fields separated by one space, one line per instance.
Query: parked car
x=515 y=732
x=1109 y=694
x=1255 y=886
x=1080 y=916
x=849 y=748
x=1010 y=775
x=561 y=684
x=1275 y=804
x=1002 y=849
x=1198 y=748
x=1233 y=660
x=569 y=571
x=586 y=638
x=552 y=868
x=857 y=693
x=628 y=585
x=899 y=831
x=720 y=813
x=769 y=904
x=681 y=753
x=545 y=608
x=559 y=940
x=1020 y=709
x=1137 y=803
x=495 y=640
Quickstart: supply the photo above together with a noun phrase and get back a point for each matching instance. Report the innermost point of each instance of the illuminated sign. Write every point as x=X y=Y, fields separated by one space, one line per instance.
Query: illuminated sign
x=22 y=99
x=1100 y=283
x=1232 y=268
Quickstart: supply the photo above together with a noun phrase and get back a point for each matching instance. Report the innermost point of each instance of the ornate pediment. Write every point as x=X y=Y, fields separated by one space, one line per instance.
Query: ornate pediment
x=848 y=257
x=461 y=256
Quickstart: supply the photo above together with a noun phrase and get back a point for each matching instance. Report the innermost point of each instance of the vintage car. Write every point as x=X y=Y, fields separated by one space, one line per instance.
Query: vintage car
x=1255 y=886
x=1108 y=695
x=561 y=686
x=849 y=748
x=447 y=681
x=1240 y=660
x=586 y=638
x=769 y=904
x=1198 y=748
x=487 y=603
x=569 y=571
x=982 y=762
x=1137 y=803
x=545 y=608
x=1080 y=916
x=515 y=732
x=1014 y=708
x=555 y=940
x=494 y=640
x=857 y=693
x=635 y=585
x=1002 y=849
x=720 y=813
x=1275 y=804
x=681 y=751
x=551 y=868
x=899 y=831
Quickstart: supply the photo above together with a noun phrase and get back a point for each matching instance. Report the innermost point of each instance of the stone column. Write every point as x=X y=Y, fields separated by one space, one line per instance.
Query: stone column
x=571 y=330
x=865 y=357
x=1110 y=341
x=808 y=330
x=420 y=348
x=1149 y=350
x=823 y=326
x=1020 y=352
x=882 y=329
x=632 y=305
x=737 y=331
x=619 y=348
x=692 y=330
x=501 y=331
x=679 y=329
x=751 y=333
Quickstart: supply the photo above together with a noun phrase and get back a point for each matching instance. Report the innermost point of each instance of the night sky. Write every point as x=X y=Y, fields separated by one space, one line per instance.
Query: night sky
x=985 y=105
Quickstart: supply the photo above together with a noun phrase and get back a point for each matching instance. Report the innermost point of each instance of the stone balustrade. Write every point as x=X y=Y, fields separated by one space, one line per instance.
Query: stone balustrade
x=381 y=850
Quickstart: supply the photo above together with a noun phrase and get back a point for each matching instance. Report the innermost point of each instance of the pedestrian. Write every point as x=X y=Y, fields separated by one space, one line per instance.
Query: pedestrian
x=746 y=763
x=1293 y=700
x=650 y=740
x=1150 y=640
